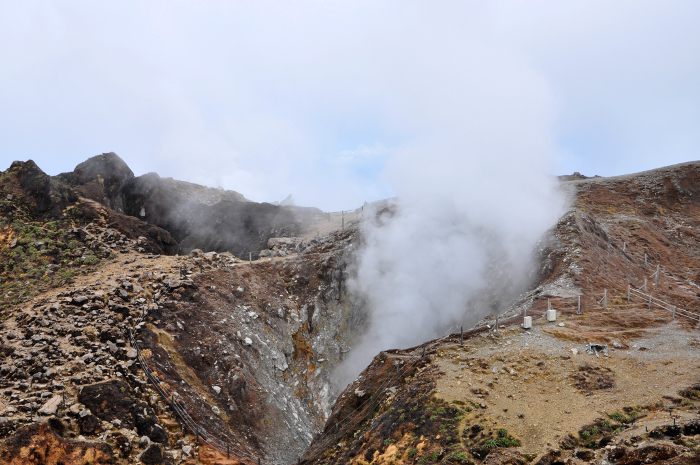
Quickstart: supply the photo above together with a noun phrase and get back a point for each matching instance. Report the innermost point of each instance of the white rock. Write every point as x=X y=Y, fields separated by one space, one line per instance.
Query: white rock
x=248 y=341
x=131 y=353
x=574 y=351
x=51 y=406
x=217 y=389
x=215 y=409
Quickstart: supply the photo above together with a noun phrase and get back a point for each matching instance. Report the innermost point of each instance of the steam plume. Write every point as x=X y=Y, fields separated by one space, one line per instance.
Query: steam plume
x=474 y=196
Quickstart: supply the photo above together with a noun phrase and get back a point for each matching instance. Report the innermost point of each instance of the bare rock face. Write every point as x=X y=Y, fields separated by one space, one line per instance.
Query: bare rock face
x=25 y=183
x=195 y=216
x=210 y=219
x=101 y=178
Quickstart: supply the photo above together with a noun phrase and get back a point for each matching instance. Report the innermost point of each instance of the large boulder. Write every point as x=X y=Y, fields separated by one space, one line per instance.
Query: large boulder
x=110 y=400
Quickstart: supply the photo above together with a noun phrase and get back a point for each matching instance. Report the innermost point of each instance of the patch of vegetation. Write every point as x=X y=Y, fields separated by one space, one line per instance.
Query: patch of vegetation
x=599 y=433
x=692 y=393
x=627 y=416
x=38 y=255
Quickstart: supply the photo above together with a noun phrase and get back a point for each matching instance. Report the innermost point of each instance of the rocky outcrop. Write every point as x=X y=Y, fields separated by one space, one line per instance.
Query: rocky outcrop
x=197 y=217
x=25 y=184
x=101 y=178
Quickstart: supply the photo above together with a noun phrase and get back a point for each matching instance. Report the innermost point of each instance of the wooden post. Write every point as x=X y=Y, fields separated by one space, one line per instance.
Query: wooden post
x=549 y=305
x=605 y=299
x=656 y=275
x=423 y=353
x=578 y=306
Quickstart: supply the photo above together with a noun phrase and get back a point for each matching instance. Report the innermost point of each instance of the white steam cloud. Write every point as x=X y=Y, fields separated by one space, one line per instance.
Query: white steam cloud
x=474 y=196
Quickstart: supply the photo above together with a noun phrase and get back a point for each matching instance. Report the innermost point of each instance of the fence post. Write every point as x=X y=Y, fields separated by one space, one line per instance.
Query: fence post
x=578 y=306
x=645 y=259
x=605 y=299
x=624 y=247
x=656 y=275
x=461 y=335
x=629 y=292
x=250 y=257
x=645 y=283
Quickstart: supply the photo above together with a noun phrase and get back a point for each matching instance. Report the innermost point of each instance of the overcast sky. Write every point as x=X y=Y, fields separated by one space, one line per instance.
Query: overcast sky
x=315 y=98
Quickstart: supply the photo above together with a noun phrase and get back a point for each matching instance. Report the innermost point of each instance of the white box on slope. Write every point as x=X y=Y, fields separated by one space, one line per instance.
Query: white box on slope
x=551 y=315
x=527 y=322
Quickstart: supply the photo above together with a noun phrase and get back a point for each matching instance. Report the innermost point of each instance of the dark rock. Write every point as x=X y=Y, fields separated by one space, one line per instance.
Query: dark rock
x=692 y=428
x=101 y=178
x=89 y=425
x=553 y=457
x=648 y=454
x=123 y=444
x=153 y=455
x=44 y=196
x=109 y=400
x=158 y=434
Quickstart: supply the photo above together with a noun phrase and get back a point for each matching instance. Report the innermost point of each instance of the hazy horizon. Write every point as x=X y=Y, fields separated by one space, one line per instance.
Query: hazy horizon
x=318 y=99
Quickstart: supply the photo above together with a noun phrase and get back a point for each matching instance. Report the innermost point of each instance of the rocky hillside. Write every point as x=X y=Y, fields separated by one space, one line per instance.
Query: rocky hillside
x=196 y=216
x=616 y=382
x=117 y=350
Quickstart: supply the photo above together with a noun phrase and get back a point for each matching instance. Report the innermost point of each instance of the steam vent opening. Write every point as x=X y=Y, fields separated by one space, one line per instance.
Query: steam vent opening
x=335 y=234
